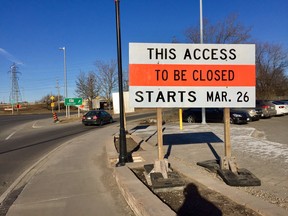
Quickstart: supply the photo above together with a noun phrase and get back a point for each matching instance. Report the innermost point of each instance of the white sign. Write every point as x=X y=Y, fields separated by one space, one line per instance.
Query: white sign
x=192 y=75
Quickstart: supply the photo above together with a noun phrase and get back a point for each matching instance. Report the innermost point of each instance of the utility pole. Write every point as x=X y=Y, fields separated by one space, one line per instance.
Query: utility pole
x=58 y=90
x=65 y=81
x=15 y=95
x=201 y=41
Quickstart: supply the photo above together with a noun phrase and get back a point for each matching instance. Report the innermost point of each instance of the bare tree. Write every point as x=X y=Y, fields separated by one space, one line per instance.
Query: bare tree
x=271 y=63
x=228 y=31
x=125 y=81
x=88 y=86
x=271 y=60
x=108 y=77
x=47 y=100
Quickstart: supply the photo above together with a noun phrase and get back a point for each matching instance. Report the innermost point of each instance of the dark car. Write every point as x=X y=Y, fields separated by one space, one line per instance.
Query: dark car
x=254 y=113
x=268 y=108
x=192 y=115
x=96 y=117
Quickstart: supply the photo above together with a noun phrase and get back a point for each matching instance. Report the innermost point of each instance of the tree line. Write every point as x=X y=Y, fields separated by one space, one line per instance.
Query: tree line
x=271 y=63
x=271 y=59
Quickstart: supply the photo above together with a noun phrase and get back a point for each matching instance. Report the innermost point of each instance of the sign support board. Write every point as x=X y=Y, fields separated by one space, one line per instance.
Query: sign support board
x=192 y=75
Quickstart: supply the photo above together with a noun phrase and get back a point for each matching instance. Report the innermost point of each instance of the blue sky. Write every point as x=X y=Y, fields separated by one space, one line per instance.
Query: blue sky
x=32 y=31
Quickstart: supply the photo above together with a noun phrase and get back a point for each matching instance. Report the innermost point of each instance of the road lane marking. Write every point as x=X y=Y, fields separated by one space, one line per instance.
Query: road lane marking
x=10 y=135
x=35 y=125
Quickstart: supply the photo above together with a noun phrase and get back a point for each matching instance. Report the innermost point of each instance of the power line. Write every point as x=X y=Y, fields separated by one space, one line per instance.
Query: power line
x=15 y=94
x=58 y=101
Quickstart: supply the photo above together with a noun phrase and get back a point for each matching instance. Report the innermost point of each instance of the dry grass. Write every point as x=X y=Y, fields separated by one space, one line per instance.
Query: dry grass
x=27 y=109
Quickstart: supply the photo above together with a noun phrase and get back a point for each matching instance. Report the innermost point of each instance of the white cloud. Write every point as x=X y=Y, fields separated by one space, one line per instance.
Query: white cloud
x=9 y=57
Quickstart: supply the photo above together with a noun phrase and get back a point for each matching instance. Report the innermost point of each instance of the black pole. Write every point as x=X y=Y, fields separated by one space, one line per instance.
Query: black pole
x=122 y=138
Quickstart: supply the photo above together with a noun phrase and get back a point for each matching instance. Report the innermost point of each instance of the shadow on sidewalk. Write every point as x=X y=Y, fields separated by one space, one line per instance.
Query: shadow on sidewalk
x=141 y=127
x=191 y=138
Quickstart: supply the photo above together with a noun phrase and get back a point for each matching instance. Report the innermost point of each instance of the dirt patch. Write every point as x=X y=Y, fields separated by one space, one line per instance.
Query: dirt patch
x=73 y=118
x=196 y=199
x=131 y=145
x=41 y=108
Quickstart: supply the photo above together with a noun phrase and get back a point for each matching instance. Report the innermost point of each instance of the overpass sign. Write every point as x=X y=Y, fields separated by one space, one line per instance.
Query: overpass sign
x=73 y=101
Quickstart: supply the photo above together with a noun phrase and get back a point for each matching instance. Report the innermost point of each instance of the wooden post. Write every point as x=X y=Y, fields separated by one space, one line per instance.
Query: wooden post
x=159 y=133
x=228 y=162
x=227 y=132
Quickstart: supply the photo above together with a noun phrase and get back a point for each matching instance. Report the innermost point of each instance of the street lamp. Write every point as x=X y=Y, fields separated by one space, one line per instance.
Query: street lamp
x=65 y=77
x=123 y=158
x=201 y=22
x=201 y=41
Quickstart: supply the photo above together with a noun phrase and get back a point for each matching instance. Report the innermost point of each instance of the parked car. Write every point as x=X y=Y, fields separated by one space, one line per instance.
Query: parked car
x=280 y=107
x=193 y=115
x=259 y=112
x=96 y=117
x=254 y=113
x=268 y=108
x=285 y=102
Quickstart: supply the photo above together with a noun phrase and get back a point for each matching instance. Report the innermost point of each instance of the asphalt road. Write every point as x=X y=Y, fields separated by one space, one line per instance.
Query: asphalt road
x=11 y=123
x=275 y=128
x=22 y=144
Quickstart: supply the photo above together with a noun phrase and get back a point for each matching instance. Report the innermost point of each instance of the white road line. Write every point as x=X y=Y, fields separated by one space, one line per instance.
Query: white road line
x=10 y=135
x=35 y=125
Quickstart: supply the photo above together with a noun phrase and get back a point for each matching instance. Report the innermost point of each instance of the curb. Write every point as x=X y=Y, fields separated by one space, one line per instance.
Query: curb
x=140 y=199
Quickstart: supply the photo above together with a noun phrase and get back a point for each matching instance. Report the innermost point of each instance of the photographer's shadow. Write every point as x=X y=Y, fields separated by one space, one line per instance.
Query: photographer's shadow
x=195 y=205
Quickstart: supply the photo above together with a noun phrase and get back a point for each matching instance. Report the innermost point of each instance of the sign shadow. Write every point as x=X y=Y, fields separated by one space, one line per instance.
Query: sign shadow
x=191 y=138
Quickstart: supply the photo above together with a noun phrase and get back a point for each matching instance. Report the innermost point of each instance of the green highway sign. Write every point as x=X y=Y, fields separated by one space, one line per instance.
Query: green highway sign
x=73 y=101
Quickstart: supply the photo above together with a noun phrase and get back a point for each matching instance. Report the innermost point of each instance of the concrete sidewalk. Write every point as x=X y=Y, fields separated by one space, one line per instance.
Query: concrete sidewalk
x=64 y=183
x=73 y=179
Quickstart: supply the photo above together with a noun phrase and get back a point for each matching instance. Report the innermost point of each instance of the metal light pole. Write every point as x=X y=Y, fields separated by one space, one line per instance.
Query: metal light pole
x=122 y=139
x=65 y=77
x=201 y=41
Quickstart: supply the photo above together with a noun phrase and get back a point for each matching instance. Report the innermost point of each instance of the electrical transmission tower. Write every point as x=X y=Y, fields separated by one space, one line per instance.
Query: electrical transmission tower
x=15 y=94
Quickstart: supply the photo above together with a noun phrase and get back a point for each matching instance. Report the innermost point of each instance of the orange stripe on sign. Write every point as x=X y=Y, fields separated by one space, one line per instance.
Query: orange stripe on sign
x=191 y=75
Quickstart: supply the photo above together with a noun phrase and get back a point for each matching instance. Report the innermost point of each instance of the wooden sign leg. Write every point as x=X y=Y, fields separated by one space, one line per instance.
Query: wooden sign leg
x=159 y=134
x=227 y=132
x=228 y=162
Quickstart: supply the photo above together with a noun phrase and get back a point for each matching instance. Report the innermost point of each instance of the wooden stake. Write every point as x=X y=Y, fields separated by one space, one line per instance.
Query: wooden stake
x=159 y=134
x=228 y=162
x=227 y=132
